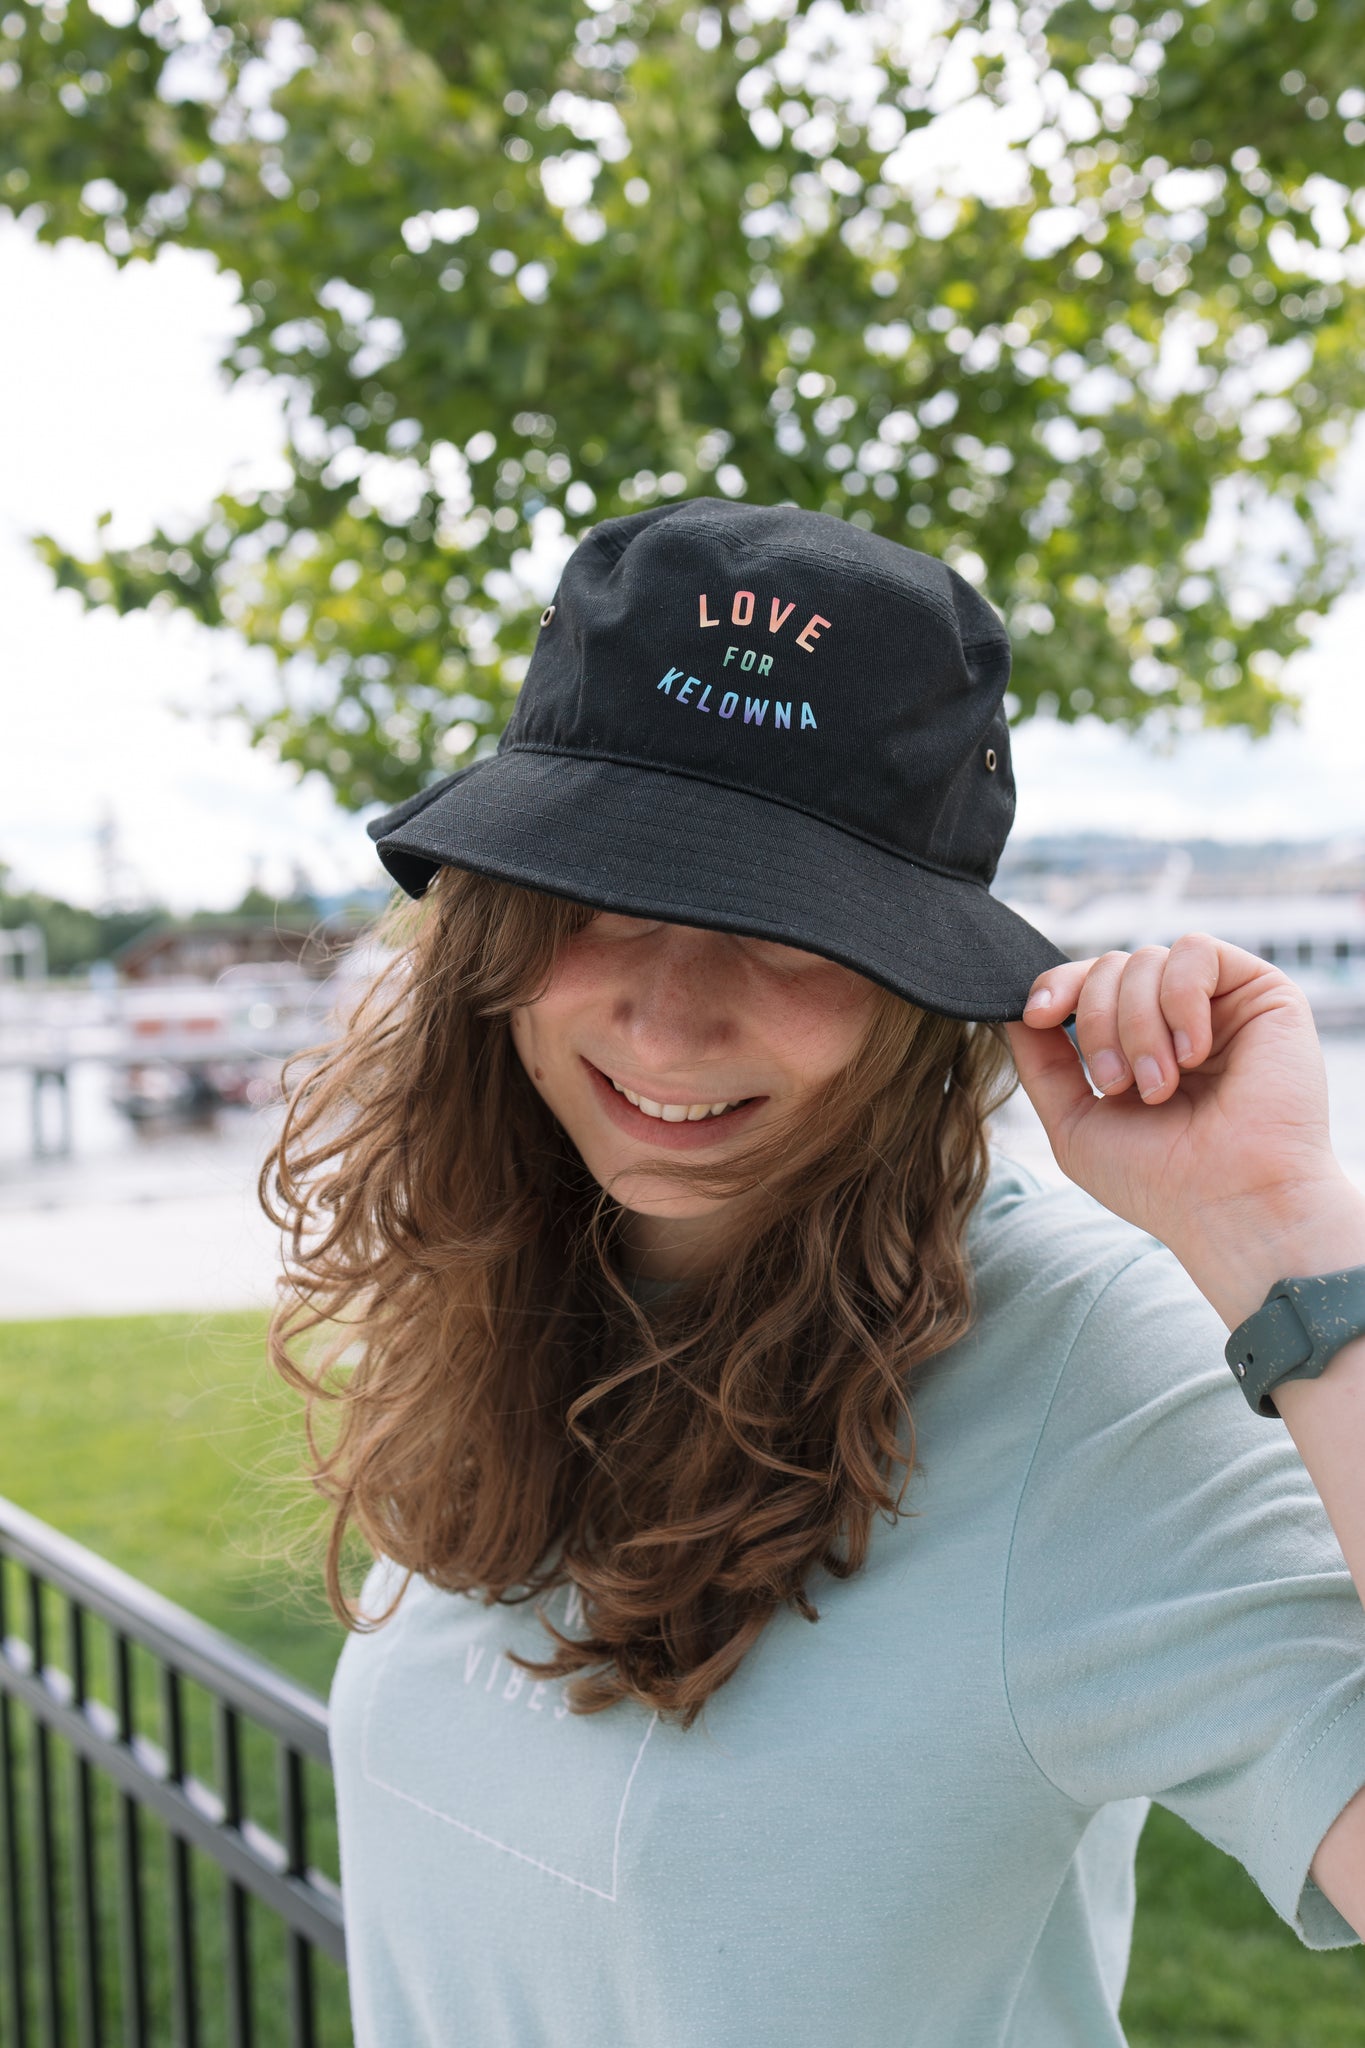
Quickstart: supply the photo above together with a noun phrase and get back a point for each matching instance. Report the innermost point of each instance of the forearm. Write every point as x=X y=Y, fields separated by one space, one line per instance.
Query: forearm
x=1234 y=1266
x=1326 y=1418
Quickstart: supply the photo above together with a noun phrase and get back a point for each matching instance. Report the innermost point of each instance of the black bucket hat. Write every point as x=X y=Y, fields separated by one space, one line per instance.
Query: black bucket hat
x=762 y=720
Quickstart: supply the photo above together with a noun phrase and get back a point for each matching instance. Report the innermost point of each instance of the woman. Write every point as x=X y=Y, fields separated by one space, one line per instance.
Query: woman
x=651 y=1192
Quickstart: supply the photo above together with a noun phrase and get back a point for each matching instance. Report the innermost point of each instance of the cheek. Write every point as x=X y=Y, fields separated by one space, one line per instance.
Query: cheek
x=542 y=1031
x=580 y=977
x=574 y=1002
x=526 y=1028
x=824 y=1023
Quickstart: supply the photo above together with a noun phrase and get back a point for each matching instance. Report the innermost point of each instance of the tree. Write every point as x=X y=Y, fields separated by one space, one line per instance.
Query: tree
x=532 y=264
x=73 y=937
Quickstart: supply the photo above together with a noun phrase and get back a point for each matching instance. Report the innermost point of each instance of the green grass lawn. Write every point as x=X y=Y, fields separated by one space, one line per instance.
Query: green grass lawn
x=168 y=1445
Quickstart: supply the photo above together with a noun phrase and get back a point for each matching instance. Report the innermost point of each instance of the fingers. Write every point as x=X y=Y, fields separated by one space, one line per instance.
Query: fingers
x=1052 y=998
x=1052 y=1075
x=1097 y=1029
x=1190 y=980
x=1145 y=1038
x=1140 y=1017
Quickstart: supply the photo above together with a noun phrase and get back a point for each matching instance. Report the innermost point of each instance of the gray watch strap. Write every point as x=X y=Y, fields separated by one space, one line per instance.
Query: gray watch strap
x=1296 y=1332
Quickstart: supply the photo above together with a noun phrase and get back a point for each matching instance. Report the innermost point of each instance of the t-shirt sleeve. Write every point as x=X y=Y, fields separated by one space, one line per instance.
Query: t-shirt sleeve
x=1179 y=1621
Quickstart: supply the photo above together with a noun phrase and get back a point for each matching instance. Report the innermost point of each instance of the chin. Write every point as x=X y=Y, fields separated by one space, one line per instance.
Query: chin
x=631 y=1191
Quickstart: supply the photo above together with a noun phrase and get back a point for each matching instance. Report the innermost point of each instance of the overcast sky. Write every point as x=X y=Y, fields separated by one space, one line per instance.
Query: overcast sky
x=112 y=400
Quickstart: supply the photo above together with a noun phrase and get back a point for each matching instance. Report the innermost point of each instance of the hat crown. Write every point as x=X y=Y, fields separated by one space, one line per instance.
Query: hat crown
x=791 y=655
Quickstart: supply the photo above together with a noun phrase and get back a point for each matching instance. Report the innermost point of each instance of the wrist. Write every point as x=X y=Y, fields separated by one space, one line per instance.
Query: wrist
x=1235 y=1256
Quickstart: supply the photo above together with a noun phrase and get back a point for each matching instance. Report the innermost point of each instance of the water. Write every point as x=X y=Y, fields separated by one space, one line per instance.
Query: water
x=134 y=1221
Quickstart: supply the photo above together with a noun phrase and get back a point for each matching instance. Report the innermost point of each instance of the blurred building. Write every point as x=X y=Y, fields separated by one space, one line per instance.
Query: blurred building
x=203 y=952
x=1299 y=906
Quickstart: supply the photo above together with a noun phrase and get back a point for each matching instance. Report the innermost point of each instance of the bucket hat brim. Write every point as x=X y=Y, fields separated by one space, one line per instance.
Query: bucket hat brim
x=650 y=842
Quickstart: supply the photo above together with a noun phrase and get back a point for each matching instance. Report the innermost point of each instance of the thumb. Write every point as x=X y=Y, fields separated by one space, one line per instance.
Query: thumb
x=1050 y=1069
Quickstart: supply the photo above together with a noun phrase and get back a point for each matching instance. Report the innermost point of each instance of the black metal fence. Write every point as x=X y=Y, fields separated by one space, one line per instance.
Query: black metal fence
x=124 y=1718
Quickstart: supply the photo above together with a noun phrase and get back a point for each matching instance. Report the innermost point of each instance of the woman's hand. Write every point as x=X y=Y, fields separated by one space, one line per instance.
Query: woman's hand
x=1214 y=1118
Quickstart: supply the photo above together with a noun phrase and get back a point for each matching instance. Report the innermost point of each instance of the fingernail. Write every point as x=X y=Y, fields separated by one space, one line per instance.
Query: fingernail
x=1147 y=1073
x=1183 y=1048
x=1107 y=1068
x=1041 y=999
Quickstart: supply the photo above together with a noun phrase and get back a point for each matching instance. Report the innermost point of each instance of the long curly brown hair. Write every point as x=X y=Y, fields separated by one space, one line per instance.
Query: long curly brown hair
x=509 y=1417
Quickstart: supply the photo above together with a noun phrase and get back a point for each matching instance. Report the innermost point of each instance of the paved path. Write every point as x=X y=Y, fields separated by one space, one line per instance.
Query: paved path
x=198 y=1251
x=170 y=1225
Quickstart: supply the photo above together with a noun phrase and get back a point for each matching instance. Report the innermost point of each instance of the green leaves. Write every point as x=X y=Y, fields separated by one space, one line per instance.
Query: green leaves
x=533 y=265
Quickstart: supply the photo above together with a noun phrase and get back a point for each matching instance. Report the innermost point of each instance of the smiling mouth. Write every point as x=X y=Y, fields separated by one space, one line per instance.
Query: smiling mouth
x=678 y=1112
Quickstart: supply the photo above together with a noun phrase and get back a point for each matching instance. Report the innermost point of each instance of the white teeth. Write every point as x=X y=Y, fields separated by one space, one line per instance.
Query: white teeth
x=672 y=1112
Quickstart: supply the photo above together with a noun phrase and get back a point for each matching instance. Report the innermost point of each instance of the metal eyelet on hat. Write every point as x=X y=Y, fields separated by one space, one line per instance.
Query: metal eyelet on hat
x=547 y=615
x=990 y=758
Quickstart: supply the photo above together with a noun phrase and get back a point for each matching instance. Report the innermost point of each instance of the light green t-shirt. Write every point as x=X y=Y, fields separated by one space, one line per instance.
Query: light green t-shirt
x=913 y=1822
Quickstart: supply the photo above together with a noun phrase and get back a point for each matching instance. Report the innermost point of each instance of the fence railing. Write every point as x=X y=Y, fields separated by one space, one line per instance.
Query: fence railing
x=176 y=1731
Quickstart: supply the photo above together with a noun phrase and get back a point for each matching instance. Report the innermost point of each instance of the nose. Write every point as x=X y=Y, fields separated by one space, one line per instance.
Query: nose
x=681 y=1002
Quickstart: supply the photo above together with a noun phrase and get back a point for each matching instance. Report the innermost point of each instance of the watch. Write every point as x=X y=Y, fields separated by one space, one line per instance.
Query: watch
x=1296 y=1332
